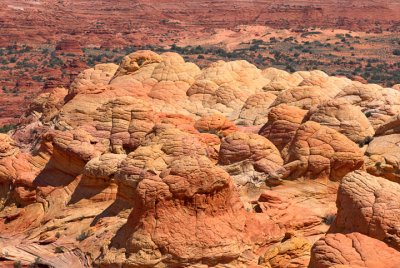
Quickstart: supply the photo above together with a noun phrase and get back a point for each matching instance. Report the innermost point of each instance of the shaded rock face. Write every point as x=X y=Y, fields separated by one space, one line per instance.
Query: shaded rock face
x=343 y=117
x=245 y=155
x=159 y=163
x=283 y=123
x=382 y=157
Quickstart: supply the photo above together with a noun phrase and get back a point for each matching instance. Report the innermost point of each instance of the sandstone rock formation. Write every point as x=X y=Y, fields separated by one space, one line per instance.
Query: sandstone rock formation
x=159 y=163
x=94 y=80
x=343 y=117
x=215 y=124
x=382 y=157
x=292 y=252
x=365 y=230
x=86 y=27
x=352 y=250
x=246 y=155
x=283 y=122
x=376 y=102
x=189 y=212
x=368 y=204
x=391 y=126
x=321 y=152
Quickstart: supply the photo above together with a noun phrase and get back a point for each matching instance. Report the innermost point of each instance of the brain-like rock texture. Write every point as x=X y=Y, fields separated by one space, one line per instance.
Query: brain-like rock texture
x=369 y=205
x=94 y=80
x=283 y=122
x=249 y=153
x=215 y=124
x=343 y=117
x=189 y=212
x=133 y=62
x=352 y=250
x=157 y=162
x=382 y=157
x=319 y=151
x=303 y=97
x=255 y=109
x=376 y=102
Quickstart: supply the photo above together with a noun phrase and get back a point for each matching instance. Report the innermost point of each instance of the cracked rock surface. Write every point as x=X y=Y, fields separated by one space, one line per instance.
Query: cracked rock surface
x=159 y=163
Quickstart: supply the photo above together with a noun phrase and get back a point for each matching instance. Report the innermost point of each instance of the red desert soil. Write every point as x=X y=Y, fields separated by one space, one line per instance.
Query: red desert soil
x=148 y=20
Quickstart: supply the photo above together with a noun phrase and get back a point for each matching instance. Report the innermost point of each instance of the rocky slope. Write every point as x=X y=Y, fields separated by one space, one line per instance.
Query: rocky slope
x=158 y=163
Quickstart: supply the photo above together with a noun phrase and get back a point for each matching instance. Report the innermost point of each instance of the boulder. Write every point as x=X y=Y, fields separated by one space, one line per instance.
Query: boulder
x=321 y=152
x=344 y=118
x=283 y=122
x=189 y=213
x=369 y=205
x=382 y=157
x=244 y=155
x=352 y=250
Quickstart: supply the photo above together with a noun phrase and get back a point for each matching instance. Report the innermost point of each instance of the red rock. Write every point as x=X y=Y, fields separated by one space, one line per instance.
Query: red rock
x=318 y=151
x=352 y=250
x=283 y=122
x=215 y=124
x=69 y=46
x=189 y=212
x=143 y=165
x=248 y=156
x=368 y=204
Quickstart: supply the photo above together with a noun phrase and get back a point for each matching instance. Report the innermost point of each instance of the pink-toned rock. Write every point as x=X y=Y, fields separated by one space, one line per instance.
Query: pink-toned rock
x=189 y=213
x=255 y=109
x=94 y=80
x=321 y=152
x=283 y=122
x=352 y=250
x=305 y=97
x=379 y=103
x=245 y=154
x=142 y=165
x=215 y=124
x=369 y=205
x=344 y=118
x=382 y=157
x=391 y=126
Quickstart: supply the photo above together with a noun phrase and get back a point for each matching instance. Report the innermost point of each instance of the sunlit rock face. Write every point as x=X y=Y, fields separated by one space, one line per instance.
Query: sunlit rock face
x=159 y=163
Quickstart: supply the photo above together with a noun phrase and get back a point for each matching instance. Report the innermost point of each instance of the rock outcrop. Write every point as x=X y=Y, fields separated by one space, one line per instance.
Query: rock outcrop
x=283 y=123
x=321 y=152
x=352 y=250
x=189 y=212
x=365 y=232
x=382 y=157
x=344 y=118
x=248 y=156
x=368 y=205
x=159 y=163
